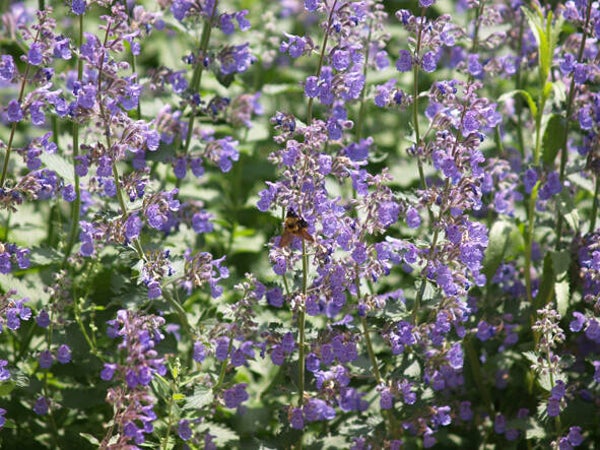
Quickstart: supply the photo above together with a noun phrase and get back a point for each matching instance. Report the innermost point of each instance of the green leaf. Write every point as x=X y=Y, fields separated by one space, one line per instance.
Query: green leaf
x=6 y=388
x=553 y=138
x=91 y=439
x=202 y=396
x=562 y=290
x=526 y=95
x=44 y=256
x=499 y=242
x=223 y=435
x=561 y=261
x=58 y=164
x=569 y=210
x=546 y=289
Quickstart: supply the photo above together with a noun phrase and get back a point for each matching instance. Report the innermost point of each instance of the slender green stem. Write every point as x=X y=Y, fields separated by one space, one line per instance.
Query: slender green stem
x=595 y=205
x=529 y=247
x=77 y=313
x=415 y=105
x=165 y=440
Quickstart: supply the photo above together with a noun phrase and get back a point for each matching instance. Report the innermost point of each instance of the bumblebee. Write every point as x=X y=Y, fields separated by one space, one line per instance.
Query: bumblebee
x=294 y=225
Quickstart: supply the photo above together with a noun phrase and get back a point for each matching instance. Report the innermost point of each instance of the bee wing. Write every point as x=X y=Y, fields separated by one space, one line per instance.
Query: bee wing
x=286 y=239
x=306 y=235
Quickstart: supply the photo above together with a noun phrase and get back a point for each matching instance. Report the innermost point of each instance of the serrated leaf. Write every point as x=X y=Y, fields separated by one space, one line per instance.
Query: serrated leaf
x=553 y=139
x=562 y=291
x=32 y=287
x=58 y=164
x=535 y=430
x=223 y=435
x=202 y=396
x=530 y=356
x=44 y=256
x=546 y=381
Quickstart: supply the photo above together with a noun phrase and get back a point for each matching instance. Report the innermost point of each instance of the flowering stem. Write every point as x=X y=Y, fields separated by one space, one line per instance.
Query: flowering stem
x=77 y=314
x=13 y=127
x=321 y=59
x=197 y=76
x=568 y=110
x=363 y=105
x=223 y=367
x=76 y=206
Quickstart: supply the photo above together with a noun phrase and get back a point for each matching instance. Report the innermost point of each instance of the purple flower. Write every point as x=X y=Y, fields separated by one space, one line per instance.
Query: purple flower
x=4 y=372
x=275 y=297
x=108 y=371
x=199 y=352
x=235 y=396
x=14 y=111
x=552 y=186
x=359 y=151
x=530 y=179
x=474 y=66
x=553 y=408
x=7 y=68
x=575 y=437
x=78 y=7
x=179 y=8
x=133 y=227
x=429 y=62
x=34 y=56
x=183 y=430
x=41 y=406
x=296 y=419
x=2 y=418
x=45 y=359
x=201 y=222
x=578 y=322
x=295 y=46
x=316 y=409
x=311 y=5
x=63 y=354
x=464 y=411
x=413 y=220
x=235 y=59
x=404 y=62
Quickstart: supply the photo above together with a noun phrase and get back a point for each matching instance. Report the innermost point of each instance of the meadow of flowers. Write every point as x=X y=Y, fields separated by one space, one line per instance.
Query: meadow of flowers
x=299 y=224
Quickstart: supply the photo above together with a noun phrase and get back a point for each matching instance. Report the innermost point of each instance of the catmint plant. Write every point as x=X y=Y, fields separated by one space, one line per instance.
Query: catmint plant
x=299 y=223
